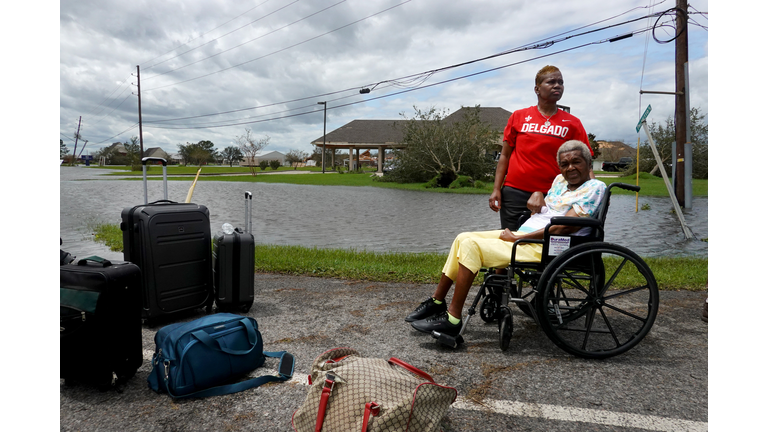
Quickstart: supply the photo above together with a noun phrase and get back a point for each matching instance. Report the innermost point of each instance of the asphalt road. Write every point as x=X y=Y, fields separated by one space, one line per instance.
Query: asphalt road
x=660 y=385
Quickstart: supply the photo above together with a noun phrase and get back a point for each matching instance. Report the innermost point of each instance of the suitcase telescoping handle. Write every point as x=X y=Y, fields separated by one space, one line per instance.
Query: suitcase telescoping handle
x=165 y=176
x=248 y=212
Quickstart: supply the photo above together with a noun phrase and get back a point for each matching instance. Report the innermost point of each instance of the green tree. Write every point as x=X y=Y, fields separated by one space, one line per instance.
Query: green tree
x=664 y=136
x=231 y=154
x=594 y=144
x=295 y=157
x=134 y=153
x=250 y=146
x=436 y=147
x=63 y=150
x=197 y=153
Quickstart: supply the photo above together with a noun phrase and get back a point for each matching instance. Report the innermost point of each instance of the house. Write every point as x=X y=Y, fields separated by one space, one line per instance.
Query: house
x=157 y=152
x=249 y=161
x=612 y=151
x=118 y=148
x=388 y=134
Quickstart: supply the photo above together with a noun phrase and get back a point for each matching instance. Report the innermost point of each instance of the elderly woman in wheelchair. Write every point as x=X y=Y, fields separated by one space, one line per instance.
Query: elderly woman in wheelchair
x=570 y=282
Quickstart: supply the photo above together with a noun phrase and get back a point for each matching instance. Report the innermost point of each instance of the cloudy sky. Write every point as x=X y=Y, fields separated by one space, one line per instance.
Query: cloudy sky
x=211 y=69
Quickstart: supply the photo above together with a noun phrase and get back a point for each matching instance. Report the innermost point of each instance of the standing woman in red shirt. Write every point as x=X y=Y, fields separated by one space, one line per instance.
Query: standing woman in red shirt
x=527 y=163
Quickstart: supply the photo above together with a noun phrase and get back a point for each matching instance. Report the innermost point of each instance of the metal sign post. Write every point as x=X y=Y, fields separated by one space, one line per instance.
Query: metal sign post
x=686 y=231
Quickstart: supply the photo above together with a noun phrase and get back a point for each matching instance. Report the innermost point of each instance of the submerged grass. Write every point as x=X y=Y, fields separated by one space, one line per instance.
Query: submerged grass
x=672 y=273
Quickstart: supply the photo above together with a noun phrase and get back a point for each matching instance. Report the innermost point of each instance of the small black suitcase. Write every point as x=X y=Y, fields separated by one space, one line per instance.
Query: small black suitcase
x=100 y=322
x=233 y=264
x=171 y=243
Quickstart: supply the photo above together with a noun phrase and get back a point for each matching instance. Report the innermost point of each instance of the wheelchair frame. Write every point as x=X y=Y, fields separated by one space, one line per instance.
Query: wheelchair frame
x=592 y=299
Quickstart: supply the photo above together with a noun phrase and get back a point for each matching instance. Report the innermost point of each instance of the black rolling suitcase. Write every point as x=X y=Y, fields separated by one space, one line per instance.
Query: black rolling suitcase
x=233 y=264
x=171 y=243
x=100 y=322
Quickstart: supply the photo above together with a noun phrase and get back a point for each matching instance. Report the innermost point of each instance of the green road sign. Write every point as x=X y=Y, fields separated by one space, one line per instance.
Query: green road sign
x=642 y=119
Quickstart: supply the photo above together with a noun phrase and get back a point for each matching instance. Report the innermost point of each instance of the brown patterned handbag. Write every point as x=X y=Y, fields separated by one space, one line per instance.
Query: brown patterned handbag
x=353 y=393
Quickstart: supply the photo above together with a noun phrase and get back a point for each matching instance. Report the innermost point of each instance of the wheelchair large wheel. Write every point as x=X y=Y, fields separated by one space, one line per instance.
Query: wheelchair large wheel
x=598 y=300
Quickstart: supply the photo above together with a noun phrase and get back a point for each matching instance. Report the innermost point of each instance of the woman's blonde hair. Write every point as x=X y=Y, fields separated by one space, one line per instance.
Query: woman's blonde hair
x=546 y=70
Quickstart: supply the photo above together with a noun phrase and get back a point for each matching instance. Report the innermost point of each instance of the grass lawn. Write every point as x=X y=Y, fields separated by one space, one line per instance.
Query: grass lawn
x=650 y=185
x=672 y=273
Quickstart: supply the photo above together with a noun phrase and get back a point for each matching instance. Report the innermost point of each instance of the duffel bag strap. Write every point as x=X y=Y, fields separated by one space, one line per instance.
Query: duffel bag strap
x=285 y=372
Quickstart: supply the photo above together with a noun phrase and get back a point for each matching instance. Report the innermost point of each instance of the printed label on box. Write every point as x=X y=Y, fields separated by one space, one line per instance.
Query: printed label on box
x=558 y=244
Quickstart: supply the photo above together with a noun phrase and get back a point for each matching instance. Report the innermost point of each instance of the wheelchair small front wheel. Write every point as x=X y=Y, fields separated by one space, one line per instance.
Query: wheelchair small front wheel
x=489 y=308
x=598 y=300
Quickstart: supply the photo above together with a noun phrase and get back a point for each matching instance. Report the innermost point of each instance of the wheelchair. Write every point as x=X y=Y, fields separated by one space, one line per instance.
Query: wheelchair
x=592 y=299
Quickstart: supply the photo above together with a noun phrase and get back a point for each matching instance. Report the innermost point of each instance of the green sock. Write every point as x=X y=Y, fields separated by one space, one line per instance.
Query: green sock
x=437 y=301
x=452 y=319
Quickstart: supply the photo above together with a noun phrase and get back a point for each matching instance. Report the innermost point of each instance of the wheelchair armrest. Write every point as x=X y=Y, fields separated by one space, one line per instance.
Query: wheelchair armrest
x=514 y=246
x=574 y=221
x=625 y=186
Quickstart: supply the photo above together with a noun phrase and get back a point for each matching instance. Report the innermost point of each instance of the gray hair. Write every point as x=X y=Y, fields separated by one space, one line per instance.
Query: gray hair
x=572 y=145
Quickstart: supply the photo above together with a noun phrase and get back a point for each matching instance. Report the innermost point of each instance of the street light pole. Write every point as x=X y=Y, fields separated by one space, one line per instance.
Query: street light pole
x=324 y=117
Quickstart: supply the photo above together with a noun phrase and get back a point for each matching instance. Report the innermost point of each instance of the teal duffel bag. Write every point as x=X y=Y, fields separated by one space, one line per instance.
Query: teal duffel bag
x=206 y=357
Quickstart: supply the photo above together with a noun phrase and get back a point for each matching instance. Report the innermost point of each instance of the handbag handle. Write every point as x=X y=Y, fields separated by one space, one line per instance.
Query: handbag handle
x=96 y=259
x=411 y=368
x=212 y=343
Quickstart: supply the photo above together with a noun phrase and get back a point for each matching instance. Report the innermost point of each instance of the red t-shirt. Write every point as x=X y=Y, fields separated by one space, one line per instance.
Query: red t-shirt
x=533 y=161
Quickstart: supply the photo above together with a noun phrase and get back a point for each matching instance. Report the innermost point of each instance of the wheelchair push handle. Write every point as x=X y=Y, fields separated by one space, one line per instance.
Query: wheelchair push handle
x=626 y=186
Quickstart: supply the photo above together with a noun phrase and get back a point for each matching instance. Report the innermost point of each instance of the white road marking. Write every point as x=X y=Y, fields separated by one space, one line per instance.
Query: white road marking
x=554 y=412
x=549 y=412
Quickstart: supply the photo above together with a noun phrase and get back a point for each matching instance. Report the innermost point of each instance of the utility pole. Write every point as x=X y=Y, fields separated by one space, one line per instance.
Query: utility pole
x=324 y=116
x=77 y=135
x=141 y=135
x=682 y=117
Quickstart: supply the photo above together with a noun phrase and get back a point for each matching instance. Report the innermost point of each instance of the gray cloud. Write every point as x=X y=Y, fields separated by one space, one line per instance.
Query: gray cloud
x=273 y=59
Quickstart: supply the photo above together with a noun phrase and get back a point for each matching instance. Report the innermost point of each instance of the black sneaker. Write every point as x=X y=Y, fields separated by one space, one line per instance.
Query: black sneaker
x=426 y=309
x=437 y=323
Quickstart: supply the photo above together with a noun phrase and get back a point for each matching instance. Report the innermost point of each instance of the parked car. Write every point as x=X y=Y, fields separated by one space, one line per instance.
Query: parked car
x=621 y=165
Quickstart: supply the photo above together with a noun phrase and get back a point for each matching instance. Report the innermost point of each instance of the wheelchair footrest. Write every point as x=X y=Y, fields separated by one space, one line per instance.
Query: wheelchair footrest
x=448 y=340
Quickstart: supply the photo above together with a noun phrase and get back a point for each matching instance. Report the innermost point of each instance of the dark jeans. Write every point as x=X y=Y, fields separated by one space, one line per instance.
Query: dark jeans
x=514 y=202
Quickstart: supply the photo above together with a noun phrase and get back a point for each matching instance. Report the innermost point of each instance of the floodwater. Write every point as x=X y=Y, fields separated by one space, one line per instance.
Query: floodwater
x=362 y=218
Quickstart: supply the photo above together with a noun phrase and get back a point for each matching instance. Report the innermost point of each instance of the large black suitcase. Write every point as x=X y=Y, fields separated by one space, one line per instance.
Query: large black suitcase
x=171 y=243
x=100 y=322
x=233 y=264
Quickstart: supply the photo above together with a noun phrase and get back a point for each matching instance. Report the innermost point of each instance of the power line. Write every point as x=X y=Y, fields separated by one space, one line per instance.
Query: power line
x=222 y=25
x=403 y=91
x=416 y=80
x=283 y=49
x=226 y=34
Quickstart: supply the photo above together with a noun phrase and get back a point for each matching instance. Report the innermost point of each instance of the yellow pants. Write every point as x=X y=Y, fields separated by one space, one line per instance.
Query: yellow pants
x=475 y=250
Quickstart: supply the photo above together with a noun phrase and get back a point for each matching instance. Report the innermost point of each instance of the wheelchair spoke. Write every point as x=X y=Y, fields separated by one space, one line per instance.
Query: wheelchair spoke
x=621 y=311
x=590 y=320
x=625 y=292
x=613 y=277
x=610 y=329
